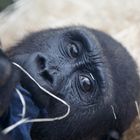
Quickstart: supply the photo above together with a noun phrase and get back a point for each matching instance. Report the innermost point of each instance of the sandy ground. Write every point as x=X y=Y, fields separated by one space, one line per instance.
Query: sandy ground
x=119 y=18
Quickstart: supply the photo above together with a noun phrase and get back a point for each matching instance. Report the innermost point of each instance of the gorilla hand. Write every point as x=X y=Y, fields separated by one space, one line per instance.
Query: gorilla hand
x=8 y=80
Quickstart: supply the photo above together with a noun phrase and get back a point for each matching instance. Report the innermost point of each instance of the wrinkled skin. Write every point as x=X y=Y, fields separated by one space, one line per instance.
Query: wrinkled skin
x=86 y=68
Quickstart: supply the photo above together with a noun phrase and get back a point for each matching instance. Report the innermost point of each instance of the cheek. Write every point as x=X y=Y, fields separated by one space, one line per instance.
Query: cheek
x=69 y=93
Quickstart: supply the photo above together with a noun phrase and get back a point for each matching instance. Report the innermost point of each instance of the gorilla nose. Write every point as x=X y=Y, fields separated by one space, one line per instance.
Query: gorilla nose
x=44 y=69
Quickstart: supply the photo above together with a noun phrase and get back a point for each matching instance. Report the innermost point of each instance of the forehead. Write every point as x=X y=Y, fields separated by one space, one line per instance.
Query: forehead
x=80 y=34
x=52 y=38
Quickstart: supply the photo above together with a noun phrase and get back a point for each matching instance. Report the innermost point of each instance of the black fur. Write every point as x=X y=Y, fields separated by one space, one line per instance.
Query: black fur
x=116 y=82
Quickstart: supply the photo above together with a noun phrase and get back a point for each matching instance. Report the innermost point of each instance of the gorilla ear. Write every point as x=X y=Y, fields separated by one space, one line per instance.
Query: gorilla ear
x=113 y=135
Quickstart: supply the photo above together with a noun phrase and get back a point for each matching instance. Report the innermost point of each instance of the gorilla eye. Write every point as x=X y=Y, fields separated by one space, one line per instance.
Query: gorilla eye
x=73 y=50
x=86 y=84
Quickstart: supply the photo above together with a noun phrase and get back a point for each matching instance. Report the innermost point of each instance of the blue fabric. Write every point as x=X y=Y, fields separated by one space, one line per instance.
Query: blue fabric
x=22 y=132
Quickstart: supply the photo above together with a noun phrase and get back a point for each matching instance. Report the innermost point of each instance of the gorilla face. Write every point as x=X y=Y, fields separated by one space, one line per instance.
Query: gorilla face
x=76 y=65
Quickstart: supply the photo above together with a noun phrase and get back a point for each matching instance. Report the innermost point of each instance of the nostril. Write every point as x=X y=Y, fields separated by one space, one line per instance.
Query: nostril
x=45 y=74
x=43 y=71
x=41 y=62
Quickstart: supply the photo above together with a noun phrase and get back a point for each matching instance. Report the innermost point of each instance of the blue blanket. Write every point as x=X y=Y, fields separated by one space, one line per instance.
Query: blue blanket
x=22 y=132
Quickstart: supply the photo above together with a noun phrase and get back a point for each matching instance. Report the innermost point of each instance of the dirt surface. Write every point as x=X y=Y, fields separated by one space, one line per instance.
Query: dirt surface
x=119 y=18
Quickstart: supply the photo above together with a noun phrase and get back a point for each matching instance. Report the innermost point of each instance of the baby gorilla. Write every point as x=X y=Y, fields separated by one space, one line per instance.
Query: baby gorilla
x=92 y=72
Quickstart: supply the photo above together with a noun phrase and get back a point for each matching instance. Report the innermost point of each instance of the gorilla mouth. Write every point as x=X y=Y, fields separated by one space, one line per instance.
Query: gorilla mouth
x=44 y=90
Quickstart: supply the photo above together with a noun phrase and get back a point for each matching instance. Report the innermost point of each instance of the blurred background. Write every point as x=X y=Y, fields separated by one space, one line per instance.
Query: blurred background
x=119 y=18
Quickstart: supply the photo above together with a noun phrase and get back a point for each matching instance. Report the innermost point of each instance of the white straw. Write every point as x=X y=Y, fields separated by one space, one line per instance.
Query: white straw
x=113 y=110
x=23 y=104
x=92 y=76
x=27 y=120
x=10 y=128
x=137 y=108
